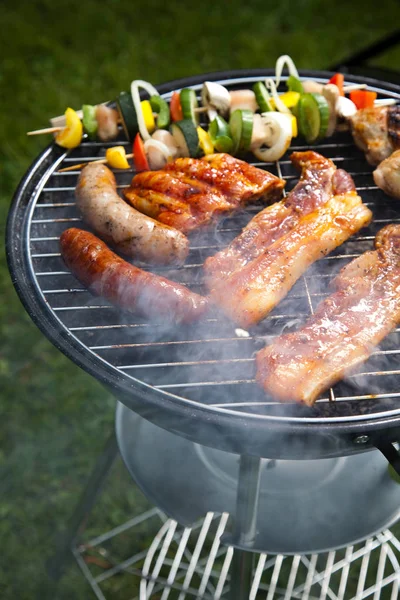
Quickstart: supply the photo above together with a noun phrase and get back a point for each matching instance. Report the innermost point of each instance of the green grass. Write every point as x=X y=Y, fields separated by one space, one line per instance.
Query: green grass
x=55 y=418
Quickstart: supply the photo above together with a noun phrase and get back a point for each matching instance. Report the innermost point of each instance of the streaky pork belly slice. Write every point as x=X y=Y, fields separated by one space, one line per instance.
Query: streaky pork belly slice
x=189 y=192
x=344 y=330
x=249 y=294
x=318 y=183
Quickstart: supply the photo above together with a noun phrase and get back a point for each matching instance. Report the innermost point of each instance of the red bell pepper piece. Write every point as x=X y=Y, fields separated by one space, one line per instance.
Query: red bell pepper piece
x=363 y=98
x=139 y=154
x=175 y=107
x=338 y=79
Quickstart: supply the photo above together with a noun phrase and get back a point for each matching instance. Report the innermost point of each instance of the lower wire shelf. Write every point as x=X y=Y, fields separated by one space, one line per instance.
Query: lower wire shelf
x=183 y=563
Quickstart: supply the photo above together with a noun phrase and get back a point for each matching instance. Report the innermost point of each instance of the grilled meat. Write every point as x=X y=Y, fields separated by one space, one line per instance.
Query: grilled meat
x=128 y=230
x=189 y=192
x=387 y=175
x=140 y=292
x=376 y=131
x=343 y=331
x=318 y=183
x=248 y=295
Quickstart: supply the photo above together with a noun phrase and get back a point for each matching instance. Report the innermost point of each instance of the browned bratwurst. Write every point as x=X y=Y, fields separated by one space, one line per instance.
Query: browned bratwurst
x=125 y=285
x=121 y=225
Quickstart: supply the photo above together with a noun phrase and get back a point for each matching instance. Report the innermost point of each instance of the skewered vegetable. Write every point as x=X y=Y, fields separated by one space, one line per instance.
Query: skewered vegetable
x=313 y=116
x=71 y=135
x=116 y=158
x=241 y=126
x=189 y=104
x=139 y=154
x=148 y=117
x=175 y=107
x=205 y=141
x=262 y=97
x=89 y=120
x=127 y=115
x=278 y=135
x=186 y=137
x=161 y=108
x=363 y=98
x=151 y=90
x=216 y=98
x=220 y=134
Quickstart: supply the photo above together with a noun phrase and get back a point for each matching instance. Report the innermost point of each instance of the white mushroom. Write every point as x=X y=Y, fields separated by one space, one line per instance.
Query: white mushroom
x=216 y=98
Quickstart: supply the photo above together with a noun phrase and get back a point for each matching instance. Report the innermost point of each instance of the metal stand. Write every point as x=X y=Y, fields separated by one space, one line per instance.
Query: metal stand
x=245 y=527
x=56 y=564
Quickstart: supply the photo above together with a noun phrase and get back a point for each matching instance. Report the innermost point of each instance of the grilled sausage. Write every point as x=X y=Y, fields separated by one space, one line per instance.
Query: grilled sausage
x=122 y=226
x=140 y=292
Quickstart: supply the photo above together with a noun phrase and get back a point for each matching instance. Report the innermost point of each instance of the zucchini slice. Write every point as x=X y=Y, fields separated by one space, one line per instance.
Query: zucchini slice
x=186 y=137
x=189 y=103
x=128 y=116
x=313 y=116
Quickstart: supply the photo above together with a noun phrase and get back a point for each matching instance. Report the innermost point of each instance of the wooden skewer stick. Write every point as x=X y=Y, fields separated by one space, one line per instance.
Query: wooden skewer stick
x=89 y=162
x=201 y=109
x=46 y=130
x=354 y=86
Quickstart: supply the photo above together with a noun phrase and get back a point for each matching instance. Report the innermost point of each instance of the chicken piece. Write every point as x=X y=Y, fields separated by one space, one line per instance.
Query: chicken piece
x=318 y=183
x=387 y=175
x=188 y=193
x=376 y=131
x=239 y=181
x=343 y=331
x=249 y=294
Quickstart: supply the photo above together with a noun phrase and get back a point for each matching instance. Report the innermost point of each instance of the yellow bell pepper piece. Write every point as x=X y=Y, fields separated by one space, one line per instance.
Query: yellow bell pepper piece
x=71 y=135
x=294 y=126
x=205 y=142
x=148 y=116
x=290 y=99
x=116 y=157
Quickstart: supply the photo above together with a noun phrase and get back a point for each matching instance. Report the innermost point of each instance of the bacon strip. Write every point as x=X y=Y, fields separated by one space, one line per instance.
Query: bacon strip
x=189 y=192
x=318 y=183
x=344 y=330
x=248 y=295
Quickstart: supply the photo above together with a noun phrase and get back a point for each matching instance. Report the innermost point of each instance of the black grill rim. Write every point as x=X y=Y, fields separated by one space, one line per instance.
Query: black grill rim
x=161 y=407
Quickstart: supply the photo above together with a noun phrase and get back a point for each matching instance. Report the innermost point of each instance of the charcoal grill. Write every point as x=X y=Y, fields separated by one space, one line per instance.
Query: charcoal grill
x=198 y=381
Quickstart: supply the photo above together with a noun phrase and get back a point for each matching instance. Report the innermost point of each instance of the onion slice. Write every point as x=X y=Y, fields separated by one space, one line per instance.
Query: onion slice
x=271 y=87
x=283 y=61
x=278 y=135
x=151 y=90
x=158 y=153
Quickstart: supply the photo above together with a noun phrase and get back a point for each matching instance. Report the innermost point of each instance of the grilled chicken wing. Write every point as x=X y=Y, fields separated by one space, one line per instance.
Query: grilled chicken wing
x=318 y=183
x=343 y=331
x=188 y=193
x=249 y=294
x=387 y=175
x=376 y=131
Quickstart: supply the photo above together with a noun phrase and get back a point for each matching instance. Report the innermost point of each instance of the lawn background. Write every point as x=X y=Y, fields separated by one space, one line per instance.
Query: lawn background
x=55 y=418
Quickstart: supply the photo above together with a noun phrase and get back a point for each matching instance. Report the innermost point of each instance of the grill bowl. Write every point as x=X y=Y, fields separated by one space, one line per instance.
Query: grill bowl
x=198 y=381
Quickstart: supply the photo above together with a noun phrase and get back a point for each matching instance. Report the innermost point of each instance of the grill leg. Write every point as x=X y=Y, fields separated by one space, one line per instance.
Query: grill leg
x=56 y=564
x=245 y=526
